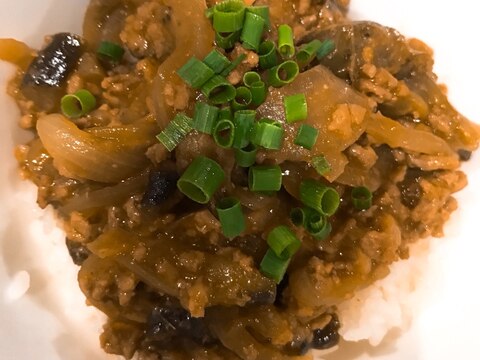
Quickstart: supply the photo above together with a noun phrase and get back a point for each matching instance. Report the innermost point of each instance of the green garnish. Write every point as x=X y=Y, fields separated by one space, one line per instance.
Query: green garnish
x=306 y=136
x=251 y=77
x=216 y=61
x=319 y=197
x=231 y=217
x=308 y=52
x=228 y=16
x=243 y=120
x=201 y=179
x=283 y=74
x=267 y=55
x=224 y=133
x=298 y=216
x=246 y=156
x=274 y=267
x=227 y=40
x=205 y=117
x=195 y=73
x=252 y=31
x=317 y=225
x=285 y=41
x=234 y=64
x=283 y=242
x=175 y=131
x=243 y=98
x=327 y=47
x=110 y=51
x=295 y=108
x=78 y=104
x=259 y=92
x=320 y=164
x=361 y=198
x=218 y=90
x=268 y=134
x=265 y=178
x=263 y=11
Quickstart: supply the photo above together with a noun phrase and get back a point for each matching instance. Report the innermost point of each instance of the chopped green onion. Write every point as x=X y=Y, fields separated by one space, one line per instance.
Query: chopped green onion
x=283 y=74
x=175 y=131
x=308 y=52
x=231 y=217
x=285 y=41
x=320 y=197
x=218 y=90
x=224 y=133
x=317 y=225
x=306 y=136
x=283 y=242
x=327 y=47
x=234 y=64
x=298 y=216
x=243 y=98
x=267 y=55
x=78 y=104
x=209 y=12
x=320 y=164
x=259 y=92
x=295 y=107
x=195 y=73
x=268 y=133
x=205 y=117
x=252 y=31
x=227 y=40
x=246 y=156
x=361 y=198
x=110 y=51
x=251 y=77
x=225 y=113
x=323 y=232
x=243 y=120
x=265 y=178
x=201 y=179
x=274 y=267
x=216 y=61
x=263 y=11
x=228 y=16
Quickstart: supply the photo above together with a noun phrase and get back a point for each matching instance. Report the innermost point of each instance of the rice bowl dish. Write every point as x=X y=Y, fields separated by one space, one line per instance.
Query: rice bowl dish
x=350 y=332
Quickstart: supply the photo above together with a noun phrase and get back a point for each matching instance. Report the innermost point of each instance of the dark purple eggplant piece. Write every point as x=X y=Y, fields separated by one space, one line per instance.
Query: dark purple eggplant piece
x=389 y=49
x=45 y=77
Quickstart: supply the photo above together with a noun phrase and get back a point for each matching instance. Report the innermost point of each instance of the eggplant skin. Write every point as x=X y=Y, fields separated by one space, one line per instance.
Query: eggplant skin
x=55 y=62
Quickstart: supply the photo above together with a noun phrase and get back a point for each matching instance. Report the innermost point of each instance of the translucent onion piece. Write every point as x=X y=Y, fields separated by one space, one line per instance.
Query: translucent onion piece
x=81 y=155
x=223 y=278
x=106 y=196
x=337 y=111
x=394 y=134
x=104 y=20
x=194 y=37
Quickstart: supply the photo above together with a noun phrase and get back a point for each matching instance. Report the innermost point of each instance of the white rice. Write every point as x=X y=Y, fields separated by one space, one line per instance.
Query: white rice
x=387 y=304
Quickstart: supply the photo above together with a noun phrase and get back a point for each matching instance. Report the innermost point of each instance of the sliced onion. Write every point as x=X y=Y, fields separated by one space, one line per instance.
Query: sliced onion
x=327 y=97
x=395 y=135
x=104 y=20
x=106 y=196
x=81 y=155
x=194 y=37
